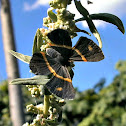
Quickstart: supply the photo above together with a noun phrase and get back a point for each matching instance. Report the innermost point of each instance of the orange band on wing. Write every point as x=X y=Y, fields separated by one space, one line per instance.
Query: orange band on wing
x=68 y=47
x=52 y=70
x=59 y=89
x=79 y=53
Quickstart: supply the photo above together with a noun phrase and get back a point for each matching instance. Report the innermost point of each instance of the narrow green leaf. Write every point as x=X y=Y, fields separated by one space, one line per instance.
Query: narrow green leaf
x=36 y=80
x=52 y=15
x=110 y=18
x=38 y=41
x=20 y=56
x=34 y=49
x=89 y=21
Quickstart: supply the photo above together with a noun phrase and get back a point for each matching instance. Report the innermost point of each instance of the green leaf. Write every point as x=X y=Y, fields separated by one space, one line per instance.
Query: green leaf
x=34 y=49
x=20 y=56
x=89 y=21
x=36 y=80
x=52 y=15
x=110 y=18
x=38 y=41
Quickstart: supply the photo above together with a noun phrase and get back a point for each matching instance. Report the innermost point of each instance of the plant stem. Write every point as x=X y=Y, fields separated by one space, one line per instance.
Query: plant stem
x=46 y=105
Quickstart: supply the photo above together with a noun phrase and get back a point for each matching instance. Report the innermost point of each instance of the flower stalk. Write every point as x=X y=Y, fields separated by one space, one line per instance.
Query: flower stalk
x=46 y=106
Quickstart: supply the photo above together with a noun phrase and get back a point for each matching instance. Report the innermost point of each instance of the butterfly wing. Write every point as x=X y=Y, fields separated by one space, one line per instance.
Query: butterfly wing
x=52 y=53
x=42 y=64
x=60 y=38
x=62 y=85
x=86 y=50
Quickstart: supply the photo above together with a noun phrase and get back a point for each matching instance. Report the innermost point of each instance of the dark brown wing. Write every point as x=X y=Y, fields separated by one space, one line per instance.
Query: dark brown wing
x=60 y=84
x=42 y=64
x=62 y=87
x=60 y=37
x=86 y=50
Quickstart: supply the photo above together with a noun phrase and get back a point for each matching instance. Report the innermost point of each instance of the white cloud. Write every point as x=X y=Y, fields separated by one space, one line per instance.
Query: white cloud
x=116 y=7
x=38 y=3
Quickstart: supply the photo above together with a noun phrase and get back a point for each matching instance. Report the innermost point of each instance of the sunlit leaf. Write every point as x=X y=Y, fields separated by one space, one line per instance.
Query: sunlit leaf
x=20 y=56
x=38 y=41
x=34 y=49
x=36 y=80
x=52 y=15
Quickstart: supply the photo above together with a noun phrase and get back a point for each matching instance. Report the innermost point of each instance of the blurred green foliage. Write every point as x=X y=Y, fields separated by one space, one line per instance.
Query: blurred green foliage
x=110 y=109
x=4 y=105
x=99 y=106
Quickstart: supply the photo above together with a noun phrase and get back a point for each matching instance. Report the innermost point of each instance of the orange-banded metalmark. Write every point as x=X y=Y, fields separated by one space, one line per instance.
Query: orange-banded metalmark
x=58 y=57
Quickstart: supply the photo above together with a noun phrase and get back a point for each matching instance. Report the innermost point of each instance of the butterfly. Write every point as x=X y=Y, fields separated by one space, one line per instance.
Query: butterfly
x=57 y=59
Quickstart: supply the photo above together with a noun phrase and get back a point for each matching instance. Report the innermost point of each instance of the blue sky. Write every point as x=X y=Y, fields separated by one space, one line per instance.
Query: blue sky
x=28 y=16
